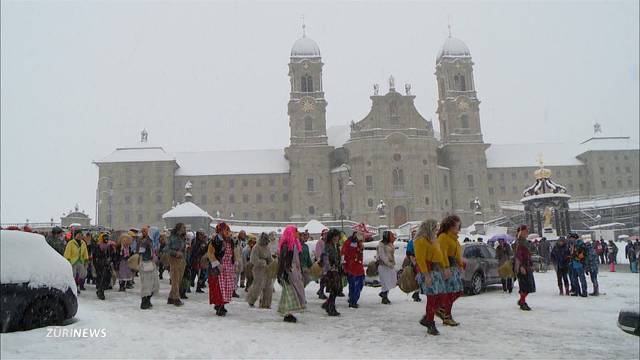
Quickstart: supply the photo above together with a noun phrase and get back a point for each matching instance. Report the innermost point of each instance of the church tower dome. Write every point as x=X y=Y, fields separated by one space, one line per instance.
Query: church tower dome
x=305 y=47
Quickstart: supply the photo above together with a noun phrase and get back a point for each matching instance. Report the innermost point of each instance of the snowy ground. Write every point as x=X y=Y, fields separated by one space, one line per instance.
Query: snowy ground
x=492 y=326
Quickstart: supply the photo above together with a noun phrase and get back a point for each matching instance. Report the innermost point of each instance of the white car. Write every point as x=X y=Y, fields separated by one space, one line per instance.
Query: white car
x=38 y=288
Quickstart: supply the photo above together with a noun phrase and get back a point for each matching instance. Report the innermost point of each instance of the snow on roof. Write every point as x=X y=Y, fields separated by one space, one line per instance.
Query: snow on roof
x=137 y=154
x=337 y=136
x=586 y=204
x=608 y=143
x=305 y=47
x=232 y=162
x=526 y=155
x=186 y=209
x=27 y=258
x=545 y=196
x=453 y=47
x=314 y=227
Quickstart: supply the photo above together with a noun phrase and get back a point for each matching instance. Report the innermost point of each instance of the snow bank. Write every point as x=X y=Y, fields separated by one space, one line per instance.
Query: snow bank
x=27 y=258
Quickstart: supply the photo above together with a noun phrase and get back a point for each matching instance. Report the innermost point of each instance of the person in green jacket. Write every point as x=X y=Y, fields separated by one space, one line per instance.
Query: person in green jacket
x=305 y=258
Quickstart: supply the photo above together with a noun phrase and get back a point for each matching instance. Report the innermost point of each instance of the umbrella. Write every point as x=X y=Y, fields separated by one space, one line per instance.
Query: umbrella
x=509 y=239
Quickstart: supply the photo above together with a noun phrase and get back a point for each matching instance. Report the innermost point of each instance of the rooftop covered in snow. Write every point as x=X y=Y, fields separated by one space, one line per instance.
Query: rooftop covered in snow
x=232 y=162
x=186 y=210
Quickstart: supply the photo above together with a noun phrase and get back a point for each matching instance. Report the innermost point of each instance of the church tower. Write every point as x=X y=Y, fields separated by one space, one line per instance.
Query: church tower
x=308 y=151
x=462 y=149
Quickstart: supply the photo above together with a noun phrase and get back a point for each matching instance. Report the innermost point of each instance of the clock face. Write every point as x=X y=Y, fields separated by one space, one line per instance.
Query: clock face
x=308 y=104
x=305 y=65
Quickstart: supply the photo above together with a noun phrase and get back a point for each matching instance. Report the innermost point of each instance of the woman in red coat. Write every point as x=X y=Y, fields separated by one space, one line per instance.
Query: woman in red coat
x=353 y=266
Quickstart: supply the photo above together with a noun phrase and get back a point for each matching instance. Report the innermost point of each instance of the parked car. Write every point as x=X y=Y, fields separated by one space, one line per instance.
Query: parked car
x=629 y=321
x=38 y=288
x=481 y=268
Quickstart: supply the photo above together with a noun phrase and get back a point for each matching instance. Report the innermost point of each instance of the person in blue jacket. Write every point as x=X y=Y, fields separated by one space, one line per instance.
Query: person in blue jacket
x=591 y=267
x=560 y=256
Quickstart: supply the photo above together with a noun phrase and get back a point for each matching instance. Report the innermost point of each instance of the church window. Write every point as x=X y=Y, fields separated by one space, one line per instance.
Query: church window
x=140 y=199
x=627 y=169
x=216 y=199
x=272 y=197
x=232 y=198
x=393 y=112
x=158 y=199
x=458 y=83
x=426 y=180
x=398 y=179
x=245 y=183
x=308 y=123
x=629 y=182
x=491 y=191
x=272 y=182
x=464 y=121
x=619 y=183
x=272 y=216
x=127 y=199
x=285 y=198
x=216 y=183
x=370 y=203
x=306 y=83
x=310 y=185
x=369 y=182
x=312 y=210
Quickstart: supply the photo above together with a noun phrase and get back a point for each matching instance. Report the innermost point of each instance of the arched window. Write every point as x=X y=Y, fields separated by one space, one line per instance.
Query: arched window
x=308 y=123
x=464 y=121
x=306 y=84
x=393 y=112
x=459 y=83
x=312 y=210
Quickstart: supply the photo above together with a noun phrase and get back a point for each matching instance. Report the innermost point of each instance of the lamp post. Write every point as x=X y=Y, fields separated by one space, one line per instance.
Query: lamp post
x=341 y=192
x=110 y=192
x=98 y=197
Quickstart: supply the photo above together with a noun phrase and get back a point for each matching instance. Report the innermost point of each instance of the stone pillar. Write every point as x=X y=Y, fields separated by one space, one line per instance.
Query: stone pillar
x=558 y=220
x=567 y=218
x=538 y=222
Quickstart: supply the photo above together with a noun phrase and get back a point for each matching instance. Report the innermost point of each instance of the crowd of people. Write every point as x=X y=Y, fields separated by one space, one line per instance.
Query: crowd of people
x=226 y=262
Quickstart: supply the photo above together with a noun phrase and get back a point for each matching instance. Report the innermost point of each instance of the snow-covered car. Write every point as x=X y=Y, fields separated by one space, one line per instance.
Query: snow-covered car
x=481 y=267
x=38 y=288
x=629 y=321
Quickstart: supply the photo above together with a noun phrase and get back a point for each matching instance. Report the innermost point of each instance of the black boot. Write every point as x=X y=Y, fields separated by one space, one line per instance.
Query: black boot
x=183 y=294
x=122 y=286
x=333 y=312
x=416 y=297
x=177 y=302
x=199 y=290
x=144 y=304
x=385 y=299
x=221 y=311
x=321 y=295
x=431 y=328
x=290 y=318
x=235 y=294
x=100 y=294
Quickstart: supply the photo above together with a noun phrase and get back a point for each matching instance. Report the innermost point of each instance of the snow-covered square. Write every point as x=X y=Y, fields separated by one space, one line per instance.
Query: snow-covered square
x=492 y=326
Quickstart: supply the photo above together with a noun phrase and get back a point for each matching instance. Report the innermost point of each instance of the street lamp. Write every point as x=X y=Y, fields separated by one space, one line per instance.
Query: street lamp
x=341 y=191
x=98 y=196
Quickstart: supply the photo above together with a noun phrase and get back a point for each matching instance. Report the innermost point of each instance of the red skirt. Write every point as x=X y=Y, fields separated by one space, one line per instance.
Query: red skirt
x=215 y=293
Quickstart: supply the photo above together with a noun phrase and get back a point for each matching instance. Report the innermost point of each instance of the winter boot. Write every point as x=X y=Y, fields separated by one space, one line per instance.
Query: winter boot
x=325 y=305
x=595 y=291
x=223 y=309
x=144 y=305
x=177 y=302
x=235 y=294
x=566 y=292
x=385 y=299
x=129 y=284
x=100 y=294
x=170 y=301
x=355 y=306
x=321 y=295
x=561 y=292
x=290 y=318
x=199 y=289
x=524 y=306
x=183 y=294
x=424 y=321
x=341 y=294
x=122 y=287
x=416 y=297
x=332 y=311
x=220 y=311
x=448 y=320
x=440 y=313
x=431 y=328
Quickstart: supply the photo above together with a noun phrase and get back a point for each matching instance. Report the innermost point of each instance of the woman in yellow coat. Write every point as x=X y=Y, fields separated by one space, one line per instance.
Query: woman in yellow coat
x=430 y=265
x=77 y=254
x=453 y=266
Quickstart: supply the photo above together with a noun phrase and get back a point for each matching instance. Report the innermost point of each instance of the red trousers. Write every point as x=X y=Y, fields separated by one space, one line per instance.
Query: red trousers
x=215 y=293
x=449 y=299
x=434 y=302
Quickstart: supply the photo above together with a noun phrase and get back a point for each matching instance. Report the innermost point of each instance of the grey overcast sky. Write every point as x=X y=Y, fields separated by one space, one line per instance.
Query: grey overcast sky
x=80 y=78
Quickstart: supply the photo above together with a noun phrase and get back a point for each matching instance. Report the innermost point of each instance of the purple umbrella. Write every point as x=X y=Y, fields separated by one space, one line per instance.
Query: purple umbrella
x=508 y=238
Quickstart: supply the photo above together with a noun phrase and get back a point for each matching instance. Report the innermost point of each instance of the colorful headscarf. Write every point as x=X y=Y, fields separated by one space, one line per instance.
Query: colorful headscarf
x=289 y=239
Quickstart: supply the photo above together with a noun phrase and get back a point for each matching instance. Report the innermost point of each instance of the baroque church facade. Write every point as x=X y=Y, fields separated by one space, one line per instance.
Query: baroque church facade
x=390 y=162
